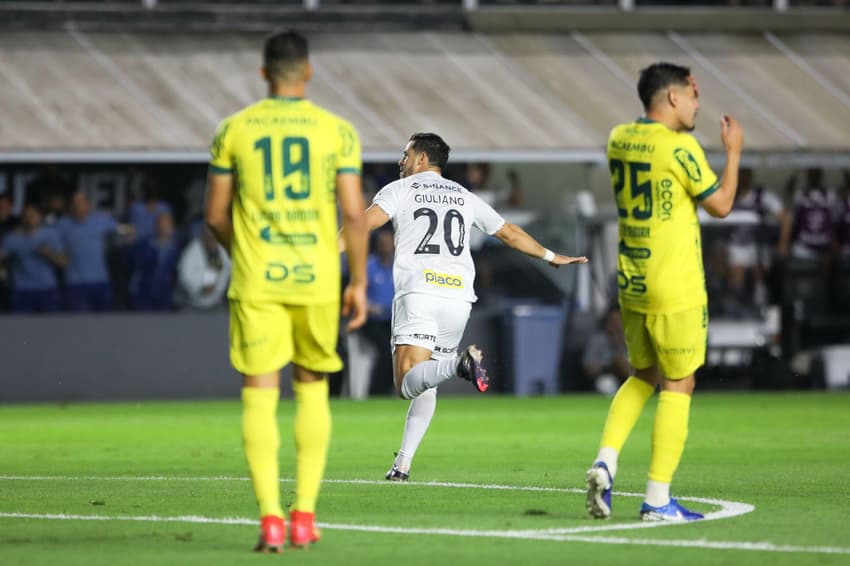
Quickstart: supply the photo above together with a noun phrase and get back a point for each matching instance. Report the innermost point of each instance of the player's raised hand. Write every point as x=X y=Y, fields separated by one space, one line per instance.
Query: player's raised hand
x=560 y=260
x=731 y=134
x=355 y=306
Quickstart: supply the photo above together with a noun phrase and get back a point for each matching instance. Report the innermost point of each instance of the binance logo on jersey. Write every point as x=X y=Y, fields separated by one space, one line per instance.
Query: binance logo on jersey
x=443 y=279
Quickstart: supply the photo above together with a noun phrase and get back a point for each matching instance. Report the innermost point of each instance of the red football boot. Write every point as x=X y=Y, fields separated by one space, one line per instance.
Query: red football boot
x=272 y=535
x=302 y=529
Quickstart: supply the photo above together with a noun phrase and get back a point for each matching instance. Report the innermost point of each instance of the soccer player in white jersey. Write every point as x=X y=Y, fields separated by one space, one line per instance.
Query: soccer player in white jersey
x=433 y=275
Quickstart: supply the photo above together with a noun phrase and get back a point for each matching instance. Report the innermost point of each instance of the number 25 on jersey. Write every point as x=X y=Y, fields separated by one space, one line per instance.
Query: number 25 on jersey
x=633 y=175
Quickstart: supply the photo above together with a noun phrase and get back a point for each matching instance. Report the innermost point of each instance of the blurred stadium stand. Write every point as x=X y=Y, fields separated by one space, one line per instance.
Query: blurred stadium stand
x=132 y=93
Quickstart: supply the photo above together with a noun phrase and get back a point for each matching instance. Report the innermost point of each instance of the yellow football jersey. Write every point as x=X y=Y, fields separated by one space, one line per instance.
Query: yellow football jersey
x=285 y=154
x=658 y=177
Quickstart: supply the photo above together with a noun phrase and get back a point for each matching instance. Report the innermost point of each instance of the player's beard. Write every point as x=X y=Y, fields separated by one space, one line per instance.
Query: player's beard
x=693 y=125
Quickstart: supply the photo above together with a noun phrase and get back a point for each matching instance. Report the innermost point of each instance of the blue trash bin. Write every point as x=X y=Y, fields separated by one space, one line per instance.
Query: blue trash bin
x=533 y=335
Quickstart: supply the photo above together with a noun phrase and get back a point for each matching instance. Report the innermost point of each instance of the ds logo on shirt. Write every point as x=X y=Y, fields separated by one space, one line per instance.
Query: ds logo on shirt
x=443 y=279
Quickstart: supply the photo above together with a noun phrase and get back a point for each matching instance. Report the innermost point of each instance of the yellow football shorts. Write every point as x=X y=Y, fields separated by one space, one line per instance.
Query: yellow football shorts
x=675 y=341
x=264 y=337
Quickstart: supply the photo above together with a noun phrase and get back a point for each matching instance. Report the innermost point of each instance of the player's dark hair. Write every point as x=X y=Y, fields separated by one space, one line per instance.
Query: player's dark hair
x=659 y=76
x=433 y=146
x=284 y=54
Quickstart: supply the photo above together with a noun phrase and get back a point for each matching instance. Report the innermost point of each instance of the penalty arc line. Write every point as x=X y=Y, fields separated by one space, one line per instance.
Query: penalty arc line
x=727 y=509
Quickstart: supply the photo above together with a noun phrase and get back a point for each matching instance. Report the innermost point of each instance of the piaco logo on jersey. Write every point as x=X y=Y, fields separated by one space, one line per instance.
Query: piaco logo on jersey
x=443 y=279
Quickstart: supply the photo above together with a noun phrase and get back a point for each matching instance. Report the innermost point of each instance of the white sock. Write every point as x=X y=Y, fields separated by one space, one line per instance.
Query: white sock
x=657 y=493
x=419 y=417
x=428 y=374
x=609 y=457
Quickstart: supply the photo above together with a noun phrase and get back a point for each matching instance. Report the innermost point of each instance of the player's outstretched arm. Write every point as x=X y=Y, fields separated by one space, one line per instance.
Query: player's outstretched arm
x=217 y=207
x=375 y=218
x=517 y=238
x=719 y=204
x=355 y=235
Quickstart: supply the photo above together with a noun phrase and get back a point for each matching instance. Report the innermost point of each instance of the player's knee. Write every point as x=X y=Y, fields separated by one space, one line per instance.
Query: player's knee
x=399 y=386
x=685 y=385
x=650 y=375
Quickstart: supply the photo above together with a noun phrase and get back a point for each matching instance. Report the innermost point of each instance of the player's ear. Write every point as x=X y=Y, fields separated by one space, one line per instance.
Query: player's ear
x=264 y=74
x=672 y=97
x=422 y=161
x=308 y=71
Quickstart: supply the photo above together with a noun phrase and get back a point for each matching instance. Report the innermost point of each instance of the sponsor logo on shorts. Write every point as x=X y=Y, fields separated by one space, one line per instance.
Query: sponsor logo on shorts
x=428 y=337
x=443 y=279
x=444 y=350
x=246 y=344
x=678 y=351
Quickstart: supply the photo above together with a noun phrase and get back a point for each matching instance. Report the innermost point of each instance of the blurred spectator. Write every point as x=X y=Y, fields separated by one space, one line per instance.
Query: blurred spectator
x=844 y=219
x=812 y=235
x=749 y=256
x=384 y=174
x=515 y=197
x=48 y=184
x=154 y=267
x=85 y=235
x=8 y=222
x=380 y=292
x=144 y=213
x=716 y=263
x=489 y=293
x=55 y=207
x=33 y=252
x=203 y=272
x=478 y=177
x=605 y=360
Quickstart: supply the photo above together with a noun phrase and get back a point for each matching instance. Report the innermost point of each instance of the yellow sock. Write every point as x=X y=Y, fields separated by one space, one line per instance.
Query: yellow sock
x=626 y=407
x=261 y=439
x=312 y=436
x=668 y=435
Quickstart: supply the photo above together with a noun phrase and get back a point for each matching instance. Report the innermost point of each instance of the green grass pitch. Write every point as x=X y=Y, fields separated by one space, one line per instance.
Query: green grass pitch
x=166 y=482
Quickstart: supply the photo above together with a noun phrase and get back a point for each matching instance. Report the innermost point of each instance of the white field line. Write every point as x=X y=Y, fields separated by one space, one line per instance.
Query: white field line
x=727 y=509
x=524 y=535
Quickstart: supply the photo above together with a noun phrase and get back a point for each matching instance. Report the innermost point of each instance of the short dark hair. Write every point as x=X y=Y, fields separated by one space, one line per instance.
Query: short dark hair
x=659 y=76
x=433 y=146
x=284 y=53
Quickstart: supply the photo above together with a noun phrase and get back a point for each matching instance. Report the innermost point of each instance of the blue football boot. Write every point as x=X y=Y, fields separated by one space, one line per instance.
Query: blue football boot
x=599 y=484
x=670 y=512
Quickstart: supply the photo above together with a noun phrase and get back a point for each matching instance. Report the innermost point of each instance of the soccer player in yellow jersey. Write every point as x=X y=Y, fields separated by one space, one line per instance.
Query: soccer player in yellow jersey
x=278 y=169
x=660 y=174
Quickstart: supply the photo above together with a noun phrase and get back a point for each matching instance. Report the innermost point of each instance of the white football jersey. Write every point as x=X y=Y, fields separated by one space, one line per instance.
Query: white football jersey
x=432 y=217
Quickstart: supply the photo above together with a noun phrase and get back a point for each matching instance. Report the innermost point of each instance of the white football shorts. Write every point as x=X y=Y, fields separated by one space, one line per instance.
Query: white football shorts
x=435 y=323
